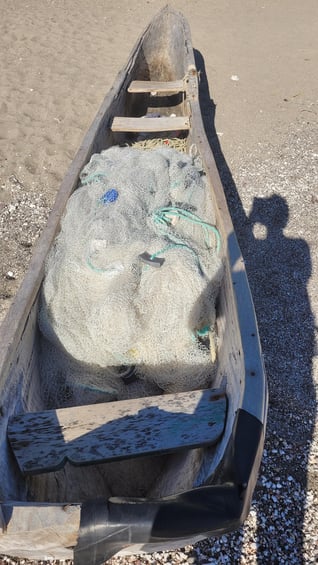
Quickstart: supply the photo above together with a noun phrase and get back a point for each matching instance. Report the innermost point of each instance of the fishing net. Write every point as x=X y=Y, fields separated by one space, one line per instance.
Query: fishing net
x=132 y=280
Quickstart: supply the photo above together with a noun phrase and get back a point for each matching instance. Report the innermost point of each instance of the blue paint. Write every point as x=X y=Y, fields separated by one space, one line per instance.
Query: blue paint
x=109 y=196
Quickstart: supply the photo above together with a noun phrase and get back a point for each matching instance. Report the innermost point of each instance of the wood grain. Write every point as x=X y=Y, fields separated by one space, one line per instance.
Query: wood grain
x=44 y=441
x=122 y=123
x=156 y=86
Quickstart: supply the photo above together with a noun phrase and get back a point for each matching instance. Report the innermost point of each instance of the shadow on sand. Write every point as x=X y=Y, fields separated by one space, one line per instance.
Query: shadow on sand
x=278 y=268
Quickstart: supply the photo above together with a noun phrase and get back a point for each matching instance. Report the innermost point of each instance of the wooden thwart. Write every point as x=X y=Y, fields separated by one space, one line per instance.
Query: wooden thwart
x=156 y=87
x=83 y=435
x=148 y=125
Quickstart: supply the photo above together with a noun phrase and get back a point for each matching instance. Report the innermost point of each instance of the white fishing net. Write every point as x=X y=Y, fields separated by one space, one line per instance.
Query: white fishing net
x=132 y=280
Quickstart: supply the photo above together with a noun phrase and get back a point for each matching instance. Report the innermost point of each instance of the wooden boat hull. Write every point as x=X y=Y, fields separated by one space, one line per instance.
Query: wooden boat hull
x=204 y=492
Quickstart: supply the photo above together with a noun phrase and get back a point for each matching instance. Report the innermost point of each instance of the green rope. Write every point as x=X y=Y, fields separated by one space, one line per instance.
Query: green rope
x=168 y=247
x=162 y=218
x=92 y=177
x=93 y=268
x=176 y=246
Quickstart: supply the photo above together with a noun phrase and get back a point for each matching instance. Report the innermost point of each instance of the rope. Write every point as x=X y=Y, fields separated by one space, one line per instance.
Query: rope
x=162 y=218
x=180 y=144
x=176 y=246
x=93 y=177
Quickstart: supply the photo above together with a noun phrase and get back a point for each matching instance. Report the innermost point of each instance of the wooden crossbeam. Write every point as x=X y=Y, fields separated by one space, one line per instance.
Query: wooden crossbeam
x=156 y=87
x=148 y=125
x=83 y=435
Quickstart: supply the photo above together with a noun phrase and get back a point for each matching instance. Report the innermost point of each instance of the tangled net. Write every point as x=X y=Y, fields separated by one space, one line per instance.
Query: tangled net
x=132 y=279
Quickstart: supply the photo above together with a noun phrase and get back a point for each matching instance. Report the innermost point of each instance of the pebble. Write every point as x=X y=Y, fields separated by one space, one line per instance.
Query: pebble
x=10 y=275
x=23 y=215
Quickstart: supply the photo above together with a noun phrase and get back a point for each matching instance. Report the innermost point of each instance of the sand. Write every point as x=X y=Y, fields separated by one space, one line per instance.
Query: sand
x=260 y=56
x=60 y=57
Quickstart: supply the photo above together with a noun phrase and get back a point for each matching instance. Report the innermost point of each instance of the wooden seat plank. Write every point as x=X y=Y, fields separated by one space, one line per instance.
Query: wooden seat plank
x=140 y=86
x=83 y=435
x=148 y=125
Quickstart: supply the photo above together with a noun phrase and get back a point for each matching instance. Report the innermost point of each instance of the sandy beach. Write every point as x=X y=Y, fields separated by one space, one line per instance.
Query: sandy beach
x=59 y=58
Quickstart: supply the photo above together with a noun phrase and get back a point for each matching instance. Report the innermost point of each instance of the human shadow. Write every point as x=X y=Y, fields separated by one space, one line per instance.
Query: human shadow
x=278 y=268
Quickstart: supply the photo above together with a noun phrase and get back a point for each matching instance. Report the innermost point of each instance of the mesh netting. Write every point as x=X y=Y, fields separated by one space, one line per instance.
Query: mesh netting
x=132 y=280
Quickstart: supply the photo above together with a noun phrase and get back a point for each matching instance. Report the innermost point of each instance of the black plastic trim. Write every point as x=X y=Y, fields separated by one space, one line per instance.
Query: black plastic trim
x=107 y=526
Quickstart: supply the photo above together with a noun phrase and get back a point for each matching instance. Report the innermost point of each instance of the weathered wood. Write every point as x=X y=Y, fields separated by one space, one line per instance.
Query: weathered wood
x=39 y=531
x=44 y=441
x=163 y=53
x=140 y=86
x=148 y=125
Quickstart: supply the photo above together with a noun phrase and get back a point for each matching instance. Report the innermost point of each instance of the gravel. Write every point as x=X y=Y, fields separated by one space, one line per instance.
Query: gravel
x=23 y=215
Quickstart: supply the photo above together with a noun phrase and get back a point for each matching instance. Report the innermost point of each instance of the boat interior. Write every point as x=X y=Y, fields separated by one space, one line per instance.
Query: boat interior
x=161 y=82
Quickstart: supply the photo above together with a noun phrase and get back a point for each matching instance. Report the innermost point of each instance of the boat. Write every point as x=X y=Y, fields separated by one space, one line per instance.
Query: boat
x=146 y=473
